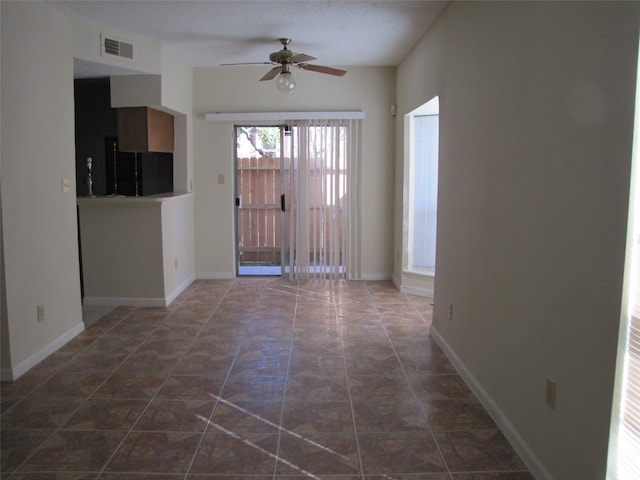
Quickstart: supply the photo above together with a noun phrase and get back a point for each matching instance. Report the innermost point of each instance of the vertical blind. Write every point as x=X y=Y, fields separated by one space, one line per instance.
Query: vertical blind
x=323 y=191
x=624 y=452
x=424 y=192
x=625 y=464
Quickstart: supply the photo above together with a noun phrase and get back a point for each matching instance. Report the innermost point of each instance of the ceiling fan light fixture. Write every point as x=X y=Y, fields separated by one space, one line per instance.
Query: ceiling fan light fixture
x=285 y=83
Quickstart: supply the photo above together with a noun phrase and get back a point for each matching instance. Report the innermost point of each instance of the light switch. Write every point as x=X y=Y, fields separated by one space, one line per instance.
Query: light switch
x=66 y=185
x=220 y=179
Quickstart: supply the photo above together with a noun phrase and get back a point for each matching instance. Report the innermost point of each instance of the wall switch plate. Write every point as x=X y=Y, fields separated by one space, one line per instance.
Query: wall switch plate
x=220 y=179
x=40 y=313
x=66 y=185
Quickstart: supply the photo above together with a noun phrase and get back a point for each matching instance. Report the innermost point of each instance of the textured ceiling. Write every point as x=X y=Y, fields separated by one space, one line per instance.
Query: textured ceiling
x=210 y=33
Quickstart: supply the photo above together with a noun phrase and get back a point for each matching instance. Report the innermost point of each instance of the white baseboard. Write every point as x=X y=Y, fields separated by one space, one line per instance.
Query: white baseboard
x=125 y=301
x=527 y=455
x=375 y=276
x=10 y=374
x=422 y=292
x=181 y=288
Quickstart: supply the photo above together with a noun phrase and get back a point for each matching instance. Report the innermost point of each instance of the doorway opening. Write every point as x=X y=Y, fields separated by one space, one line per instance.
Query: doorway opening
x=421 y=189
x=260 y=172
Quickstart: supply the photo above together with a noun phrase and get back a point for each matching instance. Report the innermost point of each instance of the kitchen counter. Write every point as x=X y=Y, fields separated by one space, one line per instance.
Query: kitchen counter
x=136 y=250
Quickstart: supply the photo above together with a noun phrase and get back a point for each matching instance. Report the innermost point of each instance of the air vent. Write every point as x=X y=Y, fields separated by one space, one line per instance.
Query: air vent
x=113 y=47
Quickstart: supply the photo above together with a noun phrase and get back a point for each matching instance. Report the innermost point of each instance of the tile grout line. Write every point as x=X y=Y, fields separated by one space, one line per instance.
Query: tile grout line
x=151 y=400
x=56 y=371
x=413 y=393
x=286 y=383
x=224 y=383
x=346 y=373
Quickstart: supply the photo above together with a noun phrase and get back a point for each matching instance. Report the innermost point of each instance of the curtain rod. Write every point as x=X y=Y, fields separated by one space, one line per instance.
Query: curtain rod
x=281 y=116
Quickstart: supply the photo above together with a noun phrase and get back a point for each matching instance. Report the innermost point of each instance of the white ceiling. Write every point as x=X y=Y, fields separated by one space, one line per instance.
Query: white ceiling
x=210 y=33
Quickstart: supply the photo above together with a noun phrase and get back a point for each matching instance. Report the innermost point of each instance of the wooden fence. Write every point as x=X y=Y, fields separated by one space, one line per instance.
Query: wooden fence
x=259 y=217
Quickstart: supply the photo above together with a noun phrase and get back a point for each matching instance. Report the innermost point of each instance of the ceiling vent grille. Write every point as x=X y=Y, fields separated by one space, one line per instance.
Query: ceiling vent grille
x=114 y=47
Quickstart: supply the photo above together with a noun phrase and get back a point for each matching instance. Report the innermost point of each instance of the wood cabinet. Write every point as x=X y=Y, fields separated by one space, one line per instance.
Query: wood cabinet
x=145 y=129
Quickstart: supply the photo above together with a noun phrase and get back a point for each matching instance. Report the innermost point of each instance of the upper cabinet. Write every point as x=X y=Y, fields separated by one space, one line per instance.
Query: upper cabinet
x=144 y=129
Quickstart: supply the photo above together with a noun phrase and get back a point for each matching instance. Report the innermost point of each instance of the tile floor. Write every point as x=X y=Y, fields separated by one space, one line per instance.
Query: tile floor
x=254 y=379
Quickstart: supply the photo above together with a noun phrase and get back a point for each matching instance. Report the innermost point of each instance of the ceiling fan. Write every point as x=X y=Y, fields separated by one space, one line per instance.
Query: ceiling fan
x=286 y=58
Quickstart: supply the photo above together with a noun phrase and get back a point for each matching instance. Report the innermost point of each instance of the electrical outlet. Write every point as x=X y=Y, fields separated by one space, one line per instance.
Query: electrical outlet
x=550 y=394
x=40 y=313
x=66 y=185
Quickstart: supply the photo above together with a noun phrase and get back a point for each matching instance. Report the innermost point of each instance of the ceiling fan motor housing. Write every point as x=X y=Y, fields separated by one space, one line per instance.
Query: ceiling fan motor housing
x=283 y=56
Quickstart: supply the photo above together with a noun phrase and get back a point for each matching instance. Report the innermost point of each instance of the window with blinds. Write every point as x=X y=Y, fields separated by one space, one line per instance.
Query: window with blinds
x=624 y=451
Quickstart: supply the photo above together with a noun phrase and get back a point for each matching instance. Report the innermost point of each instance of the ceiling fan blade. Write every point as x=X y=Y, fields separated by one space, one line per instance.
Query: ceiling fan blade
x=301 y=57
x=245 y=63
x=271 y=74
x=322 y=69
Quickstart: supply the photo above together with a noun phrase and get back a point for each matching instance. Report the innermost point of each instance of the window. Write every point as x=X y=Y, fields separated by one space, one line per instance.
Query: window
x=421 y=187
x=624 y=445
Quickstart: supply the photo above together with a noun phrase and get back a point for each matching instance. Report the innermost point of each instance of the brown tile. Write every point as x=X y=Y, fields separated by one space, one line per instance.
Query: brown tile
x=192 y=387
x=308 y=361
x=71 y=384
x=54 y=476
x=457 y=414
x=379 y=388
x=193 y=314
x=216 y=476
x=478 y=450
x=247 y=417
x=106 y=414
x=138 y=476
x=114 y=343
x=23 y=385
x=252 y=389
x=96 y=362
x=309 y=330
x=399 y=328
x=388 y=417
x=145 y=361
x=317 y=454
x=494 y=476
x=155 y=452
x=18 y=445
x=74 y=451
x=124 y=385
x=318 y=417
x=423 y=359
x=236 y=453
x=399 y=453
x=439 y=386
x=263 y=348
x=314 y=388
x=204 y=363
x=176 y=415
x=422 y=476
x=372 y=364
x=277 y=365
x=40 y=412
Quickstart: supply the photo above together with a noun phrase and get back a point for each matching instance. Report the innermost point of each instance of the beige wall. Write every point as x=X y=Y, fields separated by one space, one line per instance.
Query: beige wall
x=536 y=116
x=39 y=220
x=237 y=89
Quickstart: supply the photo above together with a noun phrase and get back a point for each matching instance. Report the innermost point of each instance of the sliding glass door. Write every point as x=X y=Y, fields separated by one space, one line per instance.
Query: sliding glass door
x=296 y=199
x=259 y=190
